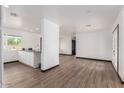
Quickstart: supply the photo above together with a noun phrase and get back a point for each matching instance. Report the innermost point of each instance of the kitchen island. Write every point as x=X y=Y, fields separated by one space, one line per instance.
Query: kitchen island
x=30 y=57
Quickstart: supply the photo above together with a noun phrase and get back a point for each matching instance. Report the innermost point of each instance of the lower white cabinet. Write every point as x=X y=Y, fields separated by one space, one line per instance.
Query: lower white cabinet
x=30 y=58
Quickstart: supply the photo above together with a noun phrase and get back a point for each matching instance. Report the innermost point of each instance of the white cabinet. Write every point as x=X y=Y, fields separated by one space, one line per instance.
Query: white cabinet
x=9 y=55
x=30 y=58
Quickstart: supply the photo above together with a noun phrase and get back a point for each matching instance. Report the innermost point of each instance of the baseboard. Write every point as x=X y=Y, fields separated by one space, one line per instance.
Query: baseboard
x=49 y=68
x=11 y=62
x=94 y=59
x=66 y=54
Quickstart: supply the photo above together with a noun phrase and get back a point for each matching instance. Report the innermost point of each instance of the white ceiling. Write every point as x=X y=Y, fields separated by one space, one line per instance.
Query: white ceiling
x=71 y=18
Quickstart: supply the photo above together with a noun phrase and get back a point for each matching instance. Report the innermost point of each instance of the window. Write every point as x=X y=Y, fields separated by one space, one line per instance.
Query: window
x=13 y=42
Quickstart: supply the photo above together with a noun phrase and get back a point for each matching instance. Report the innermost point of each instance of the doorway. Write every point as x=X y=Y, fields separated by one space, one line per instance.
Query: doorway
x=73 y=47
x=116 y=48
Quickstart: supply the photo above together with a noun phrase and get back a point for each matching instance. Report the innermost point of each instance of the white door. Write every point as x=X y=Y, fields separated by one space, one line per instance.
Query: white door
x=0 y=63
x=115 y=49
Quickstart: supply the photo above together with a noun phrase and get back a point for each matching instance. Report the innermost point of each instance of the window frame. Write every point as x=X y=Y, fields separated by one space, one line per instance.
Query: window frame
x=9 y=46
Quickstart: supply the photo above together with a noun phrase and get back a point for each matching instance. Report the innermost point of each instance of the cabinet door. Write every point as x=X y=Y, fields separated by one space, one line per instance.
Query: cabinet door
x=26 y=57
x=29 y=59
x=21 y=56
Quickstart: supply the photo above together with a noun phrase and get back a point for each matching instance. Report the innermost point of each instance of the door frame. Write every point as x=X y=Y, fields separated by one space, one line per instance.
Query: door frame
x=117 y=27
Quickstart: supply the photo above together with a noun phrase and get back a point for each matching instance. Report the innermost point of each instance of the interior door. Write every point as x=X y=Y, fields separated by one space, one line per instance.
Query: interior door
x=115 y=48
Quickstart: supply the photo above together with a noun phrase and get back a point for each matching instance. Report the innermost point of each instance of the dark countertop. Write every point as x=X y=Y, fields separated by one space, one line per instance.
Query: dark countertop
x=31 y=51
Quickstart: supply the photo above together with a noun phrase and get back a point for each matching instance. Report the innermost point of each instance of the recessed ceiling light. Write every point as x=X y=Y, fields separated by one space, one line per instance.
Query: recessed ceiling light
x=6 y=6
x=88 y=11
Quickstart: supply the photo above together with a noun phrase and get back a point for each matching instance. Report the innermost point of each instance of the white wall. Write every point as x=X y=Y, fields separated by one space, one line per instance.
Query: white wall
x=0 y=62
x=1 y=65
x=65 y=43
x=97 y=45
x=120 y=20
x=50 y=45
x=29 y=40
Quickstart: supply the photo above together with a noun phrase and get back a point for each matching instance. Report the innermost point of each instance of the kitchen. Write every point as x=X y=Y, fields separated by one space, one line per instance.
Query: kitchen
x=27 y=51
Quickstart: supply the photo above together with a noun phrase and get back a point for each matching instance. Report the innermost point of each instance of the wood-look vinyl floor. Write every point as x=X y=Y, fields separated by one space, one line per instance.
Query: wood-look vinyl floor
x=72 y=73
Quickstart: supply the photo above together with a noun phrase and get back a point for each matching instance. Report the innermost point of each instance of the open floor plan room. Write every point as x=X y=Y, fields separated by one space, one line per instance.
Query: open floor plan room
x=62 y=46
